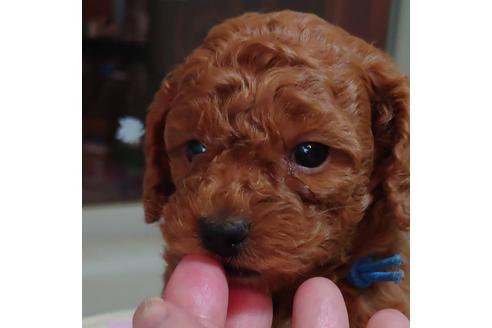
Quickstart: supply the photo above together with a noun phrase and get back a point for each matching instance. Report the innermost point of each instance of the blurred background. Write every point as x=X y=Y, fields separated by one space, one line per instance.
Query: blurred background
x=128 y=47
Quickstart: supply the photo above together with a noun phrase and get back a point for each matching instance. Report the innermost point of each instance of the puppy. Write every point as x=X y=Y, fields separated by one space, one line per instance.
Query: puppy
x=281 y=148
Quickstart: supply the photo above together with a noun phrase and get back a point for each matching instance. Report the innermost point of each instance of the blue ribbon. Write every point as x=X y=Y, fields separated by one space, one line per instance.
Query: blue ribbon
x=367 y=270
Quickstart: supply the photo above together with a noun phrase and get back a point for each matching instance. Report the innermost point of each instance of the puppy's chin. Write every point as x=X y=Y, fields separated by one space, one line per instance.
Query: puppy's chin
x=263 y=281
x=245 y=277
x=239 y=272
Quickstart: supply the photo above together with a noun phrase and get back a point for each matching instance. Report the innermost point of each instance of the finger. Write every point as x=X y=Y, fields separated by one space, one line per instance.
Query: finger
x=149 y=313
x=156 y=313
x=319 y=303
x=248 y=308
x=388 y=318
x=199 y=286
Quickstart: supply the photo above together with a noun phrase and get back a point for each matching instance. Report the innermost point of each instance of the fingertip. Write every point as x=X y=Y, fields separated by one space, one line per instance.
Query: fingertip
x=248 y=308
x=388 y=318
x=313 y=284
x=150 y=313
x=318 y=302
x=199 y=258
x=199 y=285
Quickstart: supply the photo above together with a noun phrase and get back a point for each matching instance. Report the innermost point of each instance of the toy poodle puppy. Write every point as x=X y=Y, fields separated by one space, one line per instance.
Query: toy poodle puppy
x=281 y=147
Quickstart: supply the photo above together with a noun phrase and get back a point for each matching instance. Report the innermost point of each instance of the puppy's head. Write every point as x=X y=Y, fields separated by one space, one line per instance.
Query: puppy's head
x=274 y=146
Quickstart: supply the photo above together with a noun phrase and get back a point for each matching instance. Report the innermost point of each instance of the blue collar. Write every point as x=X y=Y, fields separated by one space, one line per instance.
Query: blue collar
x=367 y=270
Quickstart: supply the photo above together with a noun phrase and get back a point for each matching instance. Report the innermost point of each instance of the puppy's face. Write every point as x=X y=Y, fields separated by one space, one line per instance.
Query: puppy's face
x=261 y=160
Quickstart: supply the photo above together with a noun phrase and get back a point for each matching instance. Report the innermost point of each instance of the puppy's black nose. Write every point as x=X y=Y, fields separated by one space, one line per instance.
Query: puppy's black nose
x=223 y=237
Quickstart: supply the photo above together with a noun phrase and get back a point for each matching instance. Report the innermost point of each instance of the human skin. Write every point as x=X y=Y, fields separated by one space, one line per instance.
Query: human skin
x=198 y=296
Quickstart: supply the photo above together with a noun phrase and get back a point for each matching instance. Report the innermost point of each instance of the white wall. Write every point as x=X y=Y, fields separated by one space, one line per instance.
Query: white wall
x=122 y=262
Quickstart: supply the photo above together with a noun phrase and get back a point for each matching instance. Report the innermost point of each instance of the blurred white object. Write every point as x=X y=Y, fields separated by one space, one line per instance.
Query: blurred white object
x=130 y=131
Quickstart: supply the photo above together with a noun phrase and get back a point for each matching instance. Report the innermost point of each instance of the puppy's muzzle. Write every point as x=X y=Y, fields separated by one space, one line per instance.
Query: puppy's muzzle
x=223 y=237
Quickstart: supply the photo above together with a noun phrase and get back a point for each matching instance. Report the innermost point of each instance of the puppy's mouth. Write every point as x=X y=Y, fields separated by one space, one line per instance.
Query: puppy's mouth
x=239 y=272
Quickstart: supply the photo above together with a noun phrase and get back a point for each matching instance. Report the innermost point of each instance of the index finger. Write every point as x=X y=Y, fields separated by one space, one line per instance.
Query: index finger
x=199 y=286
x=319 y=303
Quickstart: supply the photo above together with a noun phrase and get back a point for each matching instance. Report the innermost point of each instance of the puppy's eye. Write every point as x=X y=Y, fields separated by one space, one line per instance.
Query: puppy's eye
x=193 y=148
x=310 y=154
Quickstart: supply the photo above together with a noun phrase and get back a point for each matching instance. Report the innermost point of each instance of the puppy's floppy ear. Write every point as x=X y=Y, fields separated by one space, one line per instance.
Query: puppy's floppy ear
x=158 y=184
x=389 y=94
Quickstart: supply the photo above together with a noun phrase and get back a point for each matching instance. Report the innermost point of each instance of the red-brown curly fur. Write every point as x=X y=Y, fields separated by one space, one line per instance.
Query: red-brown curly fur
x=259 y=85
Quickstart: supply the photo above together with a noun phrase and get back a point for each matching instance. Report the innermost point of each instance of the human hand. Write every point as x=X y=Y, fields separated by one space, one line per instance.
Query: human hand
x=197 y=296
